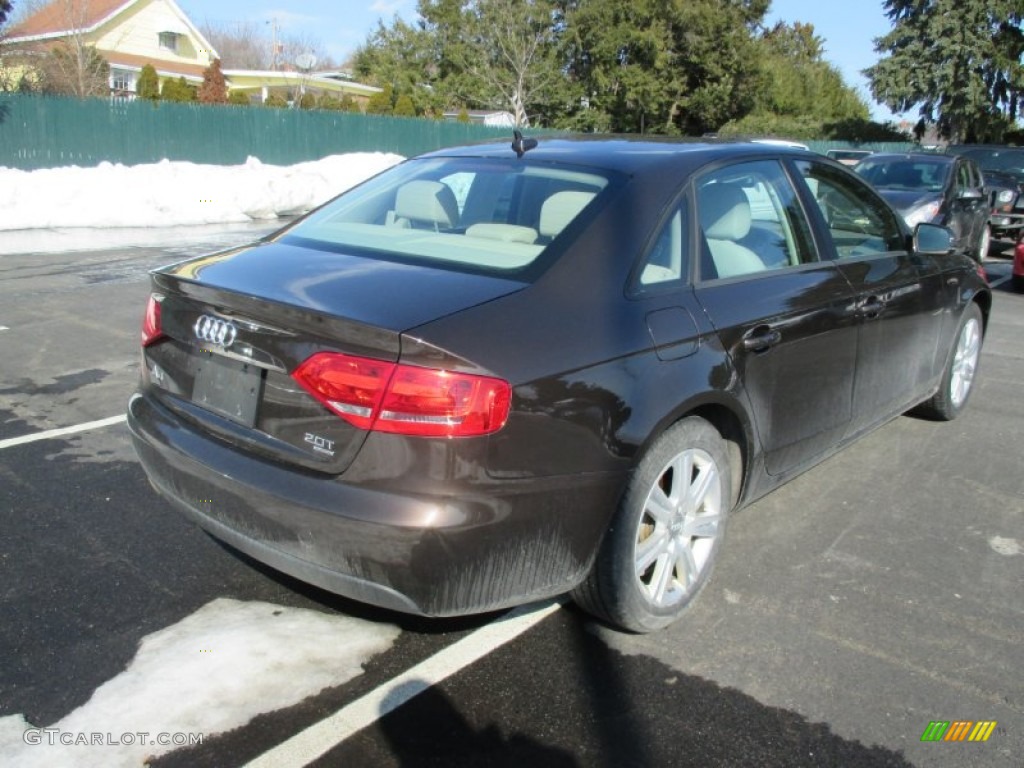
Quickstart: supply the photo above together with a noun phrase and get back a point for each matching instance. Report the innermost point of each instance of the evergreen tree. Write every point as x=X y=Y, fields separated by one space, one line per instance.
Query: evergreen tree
x=349 y=104
x=380 y=103
x=404 y=107
x=148 y=86
x=177 y=90
x=958 y=62
x=214 y=89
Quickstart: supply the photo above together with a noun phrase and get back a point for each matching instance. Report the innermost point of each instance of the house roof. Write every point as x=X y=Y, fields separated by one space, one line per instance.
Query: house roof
x=165 y=68
x=60 y=17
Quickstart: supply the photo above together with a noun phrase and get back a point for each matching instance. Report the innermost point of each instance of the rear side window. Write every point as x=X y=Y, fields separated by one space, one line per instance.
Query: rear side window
x=666 y=261
x=477 y=214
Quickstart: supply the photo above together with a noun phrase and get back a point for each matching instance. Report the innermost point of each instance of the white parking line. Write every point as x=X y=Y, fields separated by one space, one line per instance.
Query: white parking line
x=51 y=433
x=308 y=745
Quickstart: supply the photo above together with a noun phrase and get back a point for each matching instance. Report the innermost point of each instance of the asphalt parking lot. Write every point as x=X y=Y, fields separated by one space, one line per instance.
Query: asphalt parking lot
x=874 y=595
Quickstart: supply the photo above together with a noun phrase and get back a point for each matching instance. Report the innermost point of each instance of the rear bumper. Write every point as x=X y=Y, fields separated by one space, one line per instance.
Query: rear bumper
x=467 y=550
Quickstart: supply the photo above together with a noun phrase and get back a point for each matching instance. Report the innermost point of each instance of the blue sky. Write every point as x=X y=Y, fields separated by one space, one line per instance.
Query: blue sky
x=848 y=28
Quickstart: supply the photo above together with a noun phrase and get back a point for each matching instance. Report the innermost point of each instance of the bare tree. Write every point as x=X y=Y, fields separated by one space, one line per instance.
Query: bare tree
x=73 y=66
x=241 y=46
x=245 y=45
x=69 y=66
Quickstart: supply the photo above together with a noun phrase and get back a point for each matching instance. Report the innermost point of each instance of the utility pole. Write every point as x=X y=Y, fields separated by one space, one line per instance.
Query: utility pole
x=273 y=44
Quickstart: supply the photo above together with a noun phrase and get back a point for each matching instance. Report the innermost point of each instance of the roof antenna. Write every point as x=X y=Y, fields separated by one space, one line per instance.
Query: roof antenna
x=520 y=145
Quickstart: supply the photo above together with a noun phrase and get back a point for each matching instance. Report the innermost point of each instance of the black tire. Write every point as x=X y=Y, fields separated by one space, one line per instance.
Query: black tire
x=1018 y=283
x=683 y=530
x=961 y=368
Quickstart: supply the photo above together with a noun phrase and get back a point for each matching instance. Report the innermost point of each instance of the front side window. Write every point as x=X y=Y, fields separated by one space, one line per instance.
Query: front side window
x=477 y=214
x=750 y=220
x=860 y=223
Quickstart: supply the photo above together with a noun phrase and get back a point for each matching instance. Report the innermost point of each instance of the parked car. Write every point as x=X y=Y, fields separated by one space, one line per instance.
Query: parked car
x=1018 y=266
x=1003 y=168
x=492 y=375
x=940 y=189
x=848 y=156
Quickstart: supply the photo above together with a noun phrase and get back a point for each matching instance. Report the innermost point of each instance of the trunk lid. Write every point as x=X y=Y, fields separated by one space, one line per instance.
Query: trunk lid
x=239 y=322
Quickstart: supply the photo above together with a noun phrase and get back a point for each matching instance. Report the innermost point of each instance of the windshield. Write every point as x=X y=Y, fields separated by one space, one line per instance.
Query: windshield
x=478 y=214
x=924 y=175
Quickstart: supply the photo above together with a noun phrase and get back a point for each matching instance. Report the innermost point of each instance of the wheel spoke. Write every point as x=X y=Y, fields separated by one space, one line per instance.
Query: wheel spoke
x=651 y=548
x=697 y=491
x=664 y=574
x=702 y=526
x=688 y=564
x=659 y=506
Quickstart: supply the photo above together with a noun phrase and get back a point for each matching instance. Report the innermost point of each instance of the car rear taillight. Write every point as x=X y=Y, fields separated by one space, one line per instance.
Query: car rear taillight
x=406 y=399
x=151 y=332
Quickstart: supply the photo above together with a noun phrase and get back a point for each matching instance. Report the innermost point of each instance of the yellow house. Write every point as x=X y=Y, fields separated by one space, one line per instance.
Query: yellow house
x=129 y=34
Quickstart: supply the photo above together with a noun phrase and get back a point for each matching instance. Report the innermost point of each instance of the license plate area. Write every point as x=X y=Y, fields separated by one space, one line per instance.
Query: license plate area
x=228 y=387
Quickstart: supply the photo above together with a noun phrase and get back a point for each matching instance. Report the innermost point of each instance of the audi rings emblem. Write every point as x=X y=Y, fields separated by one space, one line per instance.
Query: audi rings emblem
x=215 y=330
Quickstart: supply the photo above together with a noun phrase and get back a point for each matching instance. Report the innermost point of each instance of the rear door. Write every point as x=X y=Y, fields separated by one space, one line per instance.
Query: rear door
x=898 y=294
x=784 y=315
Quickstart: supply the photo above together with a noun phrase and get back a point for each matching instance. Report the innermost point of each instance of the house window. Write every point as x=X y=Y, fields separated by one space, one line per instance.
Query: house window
x=169 y=40
x=122 y=81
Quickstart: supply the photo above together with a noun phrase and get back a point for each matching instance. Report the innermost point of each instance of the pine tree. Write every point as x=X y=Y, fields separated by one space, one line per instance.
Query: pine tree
x=404 y=107
x=148 y=86
x=956 y=61
x=380 y=102
x=177 y=90
x=214 y=89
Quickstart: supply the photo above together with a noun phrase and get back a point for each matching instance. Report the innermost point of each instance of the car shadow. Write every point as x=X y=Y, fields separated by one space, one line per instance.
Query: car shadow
x=582 y=703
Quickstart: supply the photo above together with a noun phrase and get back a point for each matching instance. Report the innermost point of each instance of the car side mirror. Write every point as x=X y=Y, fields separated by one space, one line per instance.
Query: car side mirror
x=932 y=240
x=971 y=194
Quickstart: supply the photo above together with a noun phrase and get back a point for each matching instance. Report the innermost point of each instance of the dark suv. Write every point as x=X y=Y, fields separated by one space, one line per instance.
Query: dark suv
x=1004 y=179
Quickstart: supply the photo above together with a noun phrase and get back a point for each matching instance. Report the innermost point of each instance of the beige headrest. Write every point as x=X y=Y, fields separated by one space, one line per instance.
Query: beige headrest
x=429 y=201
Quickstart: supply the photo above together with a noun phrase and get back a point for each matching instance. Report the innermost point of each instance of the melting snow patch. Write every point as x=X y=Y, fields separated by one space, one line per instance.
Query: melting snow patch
x=212 y=672
x=1006 y=546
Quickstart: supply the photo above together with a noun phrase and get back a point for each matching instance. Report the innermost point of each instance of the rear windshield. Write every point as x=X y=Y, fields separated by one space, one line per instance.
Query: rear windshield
x=906 y=174
x=478 y=214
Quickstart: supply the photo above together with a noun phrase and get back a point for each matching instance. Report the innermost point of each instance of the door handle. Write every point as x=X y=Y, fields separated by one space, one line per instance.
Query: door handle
x=872 y=307
x=761 y=339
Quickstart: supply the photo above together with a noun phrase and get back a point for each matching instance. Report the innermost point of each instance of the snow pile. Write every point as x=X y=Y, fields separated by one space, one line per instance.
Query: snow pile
x=211 y=672
x=168 y=194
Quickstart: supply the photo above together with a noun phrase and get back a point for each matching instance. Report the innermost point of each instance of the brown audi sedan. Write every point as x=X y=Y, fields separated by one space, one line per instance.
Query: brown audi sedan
x=494 y=374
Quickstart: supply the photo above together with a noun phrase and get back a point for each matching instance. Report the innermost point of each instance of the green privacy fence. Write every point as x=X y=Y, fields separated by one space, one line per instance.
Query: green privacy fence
x=47 y=132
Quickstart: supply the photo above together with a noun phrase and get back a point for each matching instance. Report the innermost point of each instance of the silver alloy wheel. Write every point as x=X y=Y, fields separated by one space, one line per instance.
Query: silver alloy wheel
x=678 y=528
x=983 y=246
x=965 y=361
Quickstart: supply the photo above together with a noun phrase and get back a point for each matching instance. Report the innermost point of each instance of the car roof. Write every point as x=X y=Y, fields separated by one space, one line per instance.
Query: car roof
x=921 y=156
x=626 y=153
